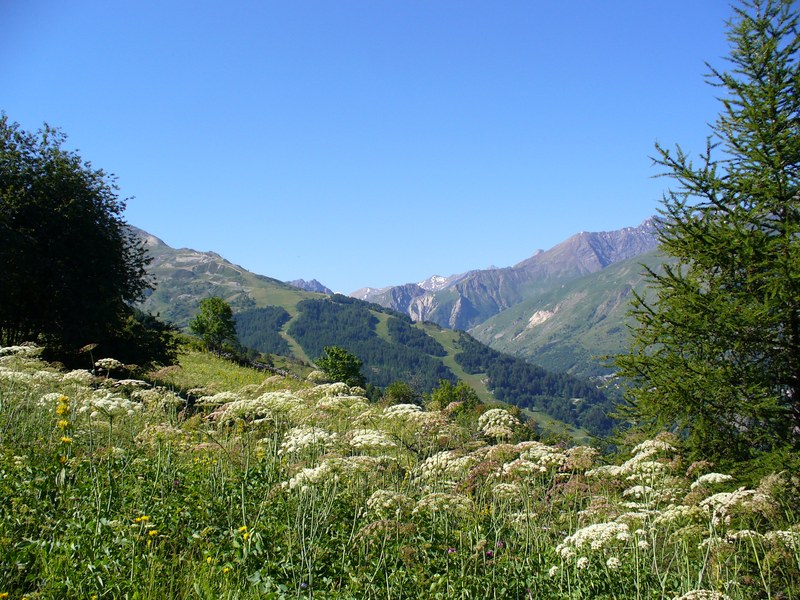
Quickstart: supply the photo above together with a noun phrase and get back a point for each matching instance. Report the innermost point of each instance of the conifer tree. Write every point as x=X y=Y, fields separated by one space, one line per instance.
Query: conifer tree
x=716 y=354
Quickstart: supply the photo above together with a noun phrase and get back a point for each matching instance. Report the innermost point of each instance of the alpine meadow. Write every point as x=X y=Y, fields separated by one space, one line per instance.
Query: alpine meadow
x=174 y=426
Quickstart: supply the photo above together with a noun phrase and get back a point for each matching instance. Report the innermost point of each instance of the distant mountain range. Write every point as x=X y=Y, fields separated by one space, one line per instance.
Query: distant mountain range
x=466 y=300
x=559 y=308
x=577 y=280
x=281 y=318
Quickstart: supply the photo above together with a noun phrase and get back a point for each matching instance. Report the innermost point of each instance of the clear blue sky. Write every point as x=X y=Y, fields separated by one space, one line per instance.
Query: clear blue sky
x=369 y=142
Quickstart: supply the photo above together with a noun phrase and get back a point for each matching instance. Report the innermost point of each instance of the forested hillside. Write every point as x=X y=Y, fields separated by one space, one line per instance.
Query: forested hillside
x=346 y=322
x=518 y=382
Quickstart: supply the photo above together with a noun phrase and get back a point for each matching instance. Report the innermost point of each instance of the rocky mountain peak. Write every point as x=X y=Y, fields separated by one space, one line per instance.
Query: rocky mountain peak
x=310 y=286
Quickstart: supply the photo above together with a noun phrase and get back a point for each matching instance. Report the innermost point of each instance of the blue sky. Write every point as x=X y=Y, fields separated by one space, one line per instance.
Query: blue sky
x=369 y=142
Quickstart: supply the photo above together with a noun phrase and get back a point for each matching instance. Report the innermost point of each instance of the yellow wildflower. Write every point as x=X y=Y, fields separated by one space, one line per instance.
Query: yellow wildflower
x=63 y=424
x=66 y=440
x=152 y=532
x=209 y=560
x=3 y=595
x=243 y=529
x=142 y=519
x=225 y=569
x=62 y=409
x=246 y=536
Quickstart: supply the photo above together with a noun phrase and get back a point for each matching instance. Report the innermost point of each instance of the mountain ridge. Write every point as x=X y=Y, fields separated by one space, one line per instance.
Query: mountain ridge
x=466 y=300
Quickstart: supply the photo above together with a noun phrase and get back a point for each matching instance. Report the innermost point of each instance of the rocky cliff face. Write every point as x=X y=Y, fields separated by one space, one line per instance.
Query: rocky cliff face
x=464 y=301
x=310 y=286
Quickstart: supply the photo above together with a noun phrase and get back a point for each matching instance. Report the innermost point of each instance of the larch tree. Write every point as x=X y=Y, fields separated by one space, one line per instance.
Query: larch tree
x=716 y=350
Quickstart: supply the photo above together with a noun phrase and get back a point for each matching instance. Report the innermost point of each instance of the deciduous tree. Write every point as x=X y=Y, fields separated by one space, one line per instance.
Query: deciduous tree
x=71 y=266
x=214 y=324
x=341 y=365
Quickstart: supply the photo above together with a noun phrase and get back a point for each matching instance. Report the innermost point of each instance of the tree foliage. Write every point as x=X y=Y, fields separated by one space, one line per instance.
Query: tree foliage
x=71 y=266
x=214 y=324
x=340 y=365
x=717 y=352
x=400 y=392
x=520 y=383
x=260 y=328
x=352 y=324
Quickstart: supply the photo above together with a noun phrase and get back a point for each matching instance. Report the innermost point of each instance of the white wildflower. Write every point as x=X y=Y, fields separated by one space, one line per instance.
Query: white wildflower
x=311 y=477
x=710 y=479
x=78 y=376
x=597 y=536
x=702 y=595
x=107 y=364
x=788 y=539
x=401 y=411
x=106 y=405
x=605 y=471
x=302 y=438
x=507 y=491
x=497 y=422
x=218 y=399
x=370 y=438
x=385 y=504
x=638 y=491
x=452 y=504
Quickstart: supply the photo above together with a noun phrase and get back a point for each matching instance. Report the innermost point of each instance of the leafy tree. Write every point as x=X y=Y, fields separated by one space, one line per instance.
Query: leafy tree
x=143 y=340
x=340 y=365
x=716 y=354
x=400 y=392
x=71 y=266
x=214 y=324
x=447 y=393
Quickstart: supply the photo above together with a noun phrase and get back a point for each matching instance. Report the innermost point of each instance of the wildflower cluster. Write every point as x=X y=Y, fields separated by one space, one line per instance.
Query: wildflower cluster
x=498 y=423
x=317 y=487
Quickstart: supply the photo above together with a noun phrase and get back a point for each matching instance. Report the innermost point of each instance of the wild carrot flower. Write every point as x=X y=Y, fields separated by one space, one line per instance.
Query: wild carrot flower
x=710 y=479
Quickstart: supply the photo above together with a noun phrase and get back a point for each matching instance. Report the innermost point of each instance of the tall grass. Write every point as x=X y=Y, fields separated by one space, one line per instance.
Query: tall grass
x=110 y=489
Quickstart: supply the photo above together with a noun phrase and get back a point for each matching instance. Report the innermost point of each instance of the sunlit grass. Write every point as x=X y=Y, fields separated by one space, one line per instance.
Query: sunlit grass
x=204 y=370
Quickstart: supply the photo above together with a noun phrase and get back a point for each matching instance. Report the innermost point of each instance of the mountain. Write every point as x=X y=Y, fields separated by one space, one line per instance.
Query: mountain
x=310 y=286
x=275 y=317
x=569 y=327
x=184 y=277
x=465 y=301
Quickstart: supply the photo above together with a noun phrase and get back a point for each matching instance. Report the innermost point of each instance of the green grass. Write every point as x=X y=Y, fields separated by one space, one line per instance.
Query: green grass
x=204 y=370
x=110 y=490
